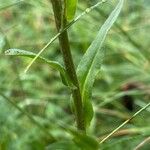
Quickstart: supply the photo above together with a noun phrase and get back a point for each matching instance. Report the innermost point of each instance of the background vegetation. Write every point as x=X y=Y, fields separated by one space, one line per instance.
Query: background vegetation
x=121 y=89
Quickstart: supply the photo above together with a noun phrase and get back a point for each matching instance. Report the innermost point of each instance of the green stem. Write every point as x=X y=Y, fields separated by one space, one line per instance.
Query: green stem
x=68 y=61
x=124 y=123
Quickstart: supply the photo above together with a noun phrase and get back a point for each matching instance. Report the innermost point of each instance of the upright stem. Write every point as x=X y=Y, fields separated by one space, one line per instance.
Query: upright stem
x=68 y=61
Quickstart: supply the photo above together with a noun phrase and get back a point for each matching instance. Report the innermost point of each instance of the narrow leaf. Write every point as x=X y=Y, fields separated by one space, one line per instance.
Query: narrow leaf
x=91 y=63
x=52 y=64
x=70 y=9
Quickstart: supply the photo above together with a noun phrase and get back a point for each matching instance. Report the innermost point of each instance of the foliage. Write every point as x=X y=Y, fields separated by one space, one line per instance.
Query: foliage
x=124 y=76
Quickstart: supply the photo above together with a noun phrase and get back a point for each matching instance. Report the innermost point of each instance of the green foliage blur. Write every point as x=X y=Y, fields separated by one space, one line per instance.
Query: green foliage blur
x=122 y=86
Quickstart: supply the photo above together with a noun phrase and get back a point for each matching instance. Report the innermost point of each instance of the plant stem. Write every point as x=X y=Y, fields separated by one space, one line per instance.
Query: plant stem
x=146 y=141
x=63 y=30
x=68 y=61
x=124 y=123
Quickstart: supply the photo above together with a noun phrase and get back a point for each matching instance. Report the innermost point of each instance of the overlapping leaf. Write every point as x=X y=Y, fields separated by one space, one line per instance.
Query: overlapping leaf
x=52 y=64
x=70 y=9
x=85 y=142
x=91 y=63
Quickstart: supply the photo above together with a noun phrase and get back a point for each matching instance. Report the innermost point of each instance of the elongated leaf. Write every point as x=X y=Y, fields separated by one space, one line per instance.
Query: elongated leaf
x=70 y=9
x=53 y=64
x=18 y=52
x=91 y=63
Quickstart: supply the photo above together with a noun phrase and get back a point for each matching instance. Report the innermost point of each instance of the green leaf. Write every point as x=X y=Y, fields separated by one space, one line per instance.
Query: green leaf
x=52 y=64
x=70 y=9
x=91 y=63
x=85 y=142
x=63 y=145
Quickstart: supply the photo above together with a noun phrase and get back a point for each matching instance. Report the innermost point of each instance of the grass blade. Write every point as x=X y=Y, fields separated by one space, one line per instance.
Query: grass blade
x=124 y=123
x=29 y=116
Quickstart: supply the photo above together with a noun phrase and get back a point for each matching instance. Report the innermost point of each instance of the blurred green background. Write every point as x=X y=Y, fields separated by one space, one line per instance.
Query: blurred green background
x=122 y=86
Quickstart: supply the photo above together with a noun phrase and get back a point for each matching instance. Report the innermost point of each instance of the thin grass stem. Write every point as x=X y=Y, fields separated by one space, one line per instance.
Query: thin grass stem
x=124 y=123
